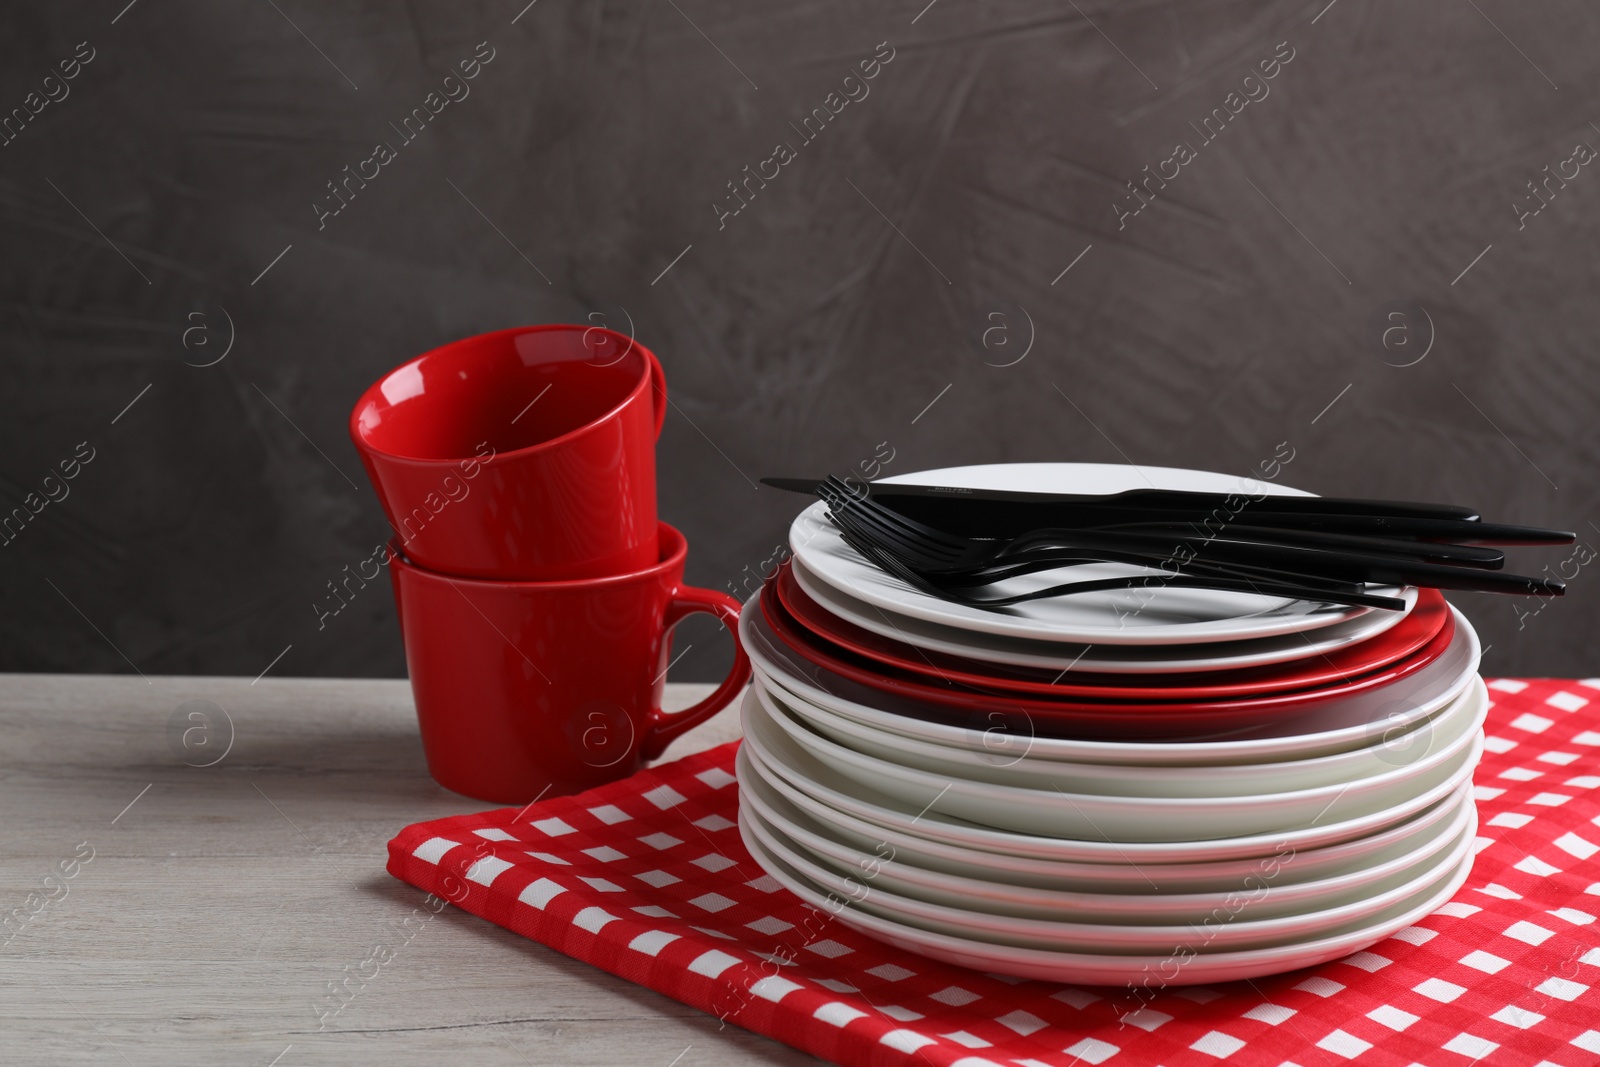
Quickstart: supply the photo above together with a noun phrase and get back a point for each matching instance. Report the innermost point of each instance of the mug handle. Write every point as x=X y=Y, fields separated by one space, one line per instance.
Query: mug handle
x=665 y=726
x=658 y=396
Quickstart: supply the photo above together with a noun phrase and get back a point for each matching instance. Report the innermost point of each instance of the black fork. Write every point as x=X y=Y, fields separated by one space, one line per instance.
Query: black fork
x=915 y=549
x=943 y=556
x=887 y=547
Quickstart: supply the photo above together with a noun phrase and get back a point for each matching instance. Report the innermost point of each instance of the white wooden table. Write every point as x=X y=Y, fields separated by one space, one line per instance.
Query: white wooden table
x=221 y=900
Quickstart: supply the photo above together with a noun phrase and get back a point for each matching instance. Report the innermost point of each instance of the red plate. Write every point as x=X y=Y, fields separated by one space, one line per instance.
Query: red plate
x=1403 y=639
x=1082 y=717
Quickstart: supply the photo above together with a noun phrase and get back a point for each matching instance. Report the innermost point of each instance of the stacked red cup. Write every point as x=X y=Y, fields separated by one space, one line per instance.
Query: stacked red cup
x=536 y=588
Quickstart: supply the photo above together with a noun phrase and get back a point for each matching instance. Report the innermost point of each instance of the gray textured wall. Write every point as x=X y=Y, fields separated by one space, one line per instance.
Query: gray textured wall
x=172 y=189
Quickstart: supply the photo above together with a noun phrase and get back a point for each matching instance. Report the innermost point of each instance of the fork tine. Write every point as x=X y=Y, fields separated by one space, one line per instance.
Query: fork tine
x=867 y=524
x=911 y=545
x=924 y=534
x=846 y=516
x=934 y=562
x=864 y=504
x=894 y=567
x=909 y=550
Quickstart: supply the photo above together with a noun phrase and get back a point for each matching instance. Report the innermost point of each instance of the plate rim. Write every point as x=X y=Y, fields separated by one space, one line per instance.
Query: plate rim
x=1460 y=707
x=788 y=586
x=1459 y=847
x=985 y=646
x=1152 y=851
x=1048 y=965
x=1179 y=752
x=1352 y=878
x=772 y=603
x=956 y=852
x=869 y=763
x=1247 y=713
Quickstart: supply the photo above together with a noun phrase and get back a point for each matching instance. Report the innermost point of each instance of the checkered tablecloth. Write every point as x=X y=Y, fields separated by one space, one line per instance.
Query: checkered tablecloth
x=647 y=879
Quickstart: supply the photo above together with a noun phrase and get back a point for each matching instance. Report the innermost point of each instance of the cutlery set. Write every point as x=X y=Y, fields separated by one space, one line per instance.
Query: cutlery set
x=1304 y=547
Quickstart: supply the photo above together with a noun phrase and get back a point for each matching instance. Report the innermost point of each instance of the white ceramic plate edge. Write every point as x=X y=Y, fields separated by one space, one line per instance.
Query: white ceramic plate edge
x=1018 y=806
x=1104 y=907
x=755 y=645
x=987 y=839
x=1224 y=873
x=982 y=761
x=1094 y=969
x=1079 y=936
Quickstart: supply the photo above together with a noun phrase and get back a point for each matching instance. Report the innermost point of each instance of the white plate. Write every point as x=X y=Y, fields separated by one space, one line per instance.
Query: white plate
x=1394 y=747
x=1050 y=811
x=1008 y=735
x=777 y=755
x=1114 y=873
x=1238 y=927
x=1107 y=969
x=1112 y=659
x=1146 y=616
x=1269 y=894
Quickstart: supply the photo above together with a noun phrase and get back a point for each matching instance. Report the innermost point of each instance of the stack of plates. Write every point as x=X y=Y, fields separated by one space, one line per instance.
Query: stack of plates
x=1170 y=785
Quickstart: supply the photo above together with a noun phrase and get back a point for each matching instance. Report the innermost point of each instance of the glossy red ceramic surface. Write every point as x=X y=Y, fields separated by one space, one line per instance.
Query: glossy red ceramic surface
x=1073 y=716
x=1420 y=626
x=526 y=454
x=525 y=688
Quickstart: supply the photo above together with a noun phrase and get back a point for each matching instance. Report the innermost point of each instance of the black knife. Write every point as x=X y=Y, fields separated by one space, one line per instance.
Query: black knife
x=1140 y=498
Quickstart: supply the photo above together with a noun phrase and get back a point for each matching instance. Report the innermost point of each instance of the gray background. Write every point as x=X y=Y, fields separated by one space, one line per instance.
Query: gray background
x=824 y=319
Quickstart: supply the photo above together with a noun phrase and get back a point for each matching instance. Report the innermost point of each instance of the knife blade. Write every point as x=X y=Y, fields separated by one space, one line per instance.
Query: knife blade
x=1006 y=513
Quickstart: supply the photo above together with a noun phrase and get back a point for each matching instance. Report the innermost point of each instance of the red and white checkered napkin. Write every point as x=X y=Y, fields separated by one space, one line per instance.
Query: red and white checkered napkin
x=647 y=879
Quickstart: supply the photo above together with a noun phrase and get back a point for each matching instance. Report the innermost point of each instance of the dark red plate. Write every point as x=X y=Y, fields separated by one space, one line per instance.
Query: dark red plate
x=1410 y=634
x=1072 y=714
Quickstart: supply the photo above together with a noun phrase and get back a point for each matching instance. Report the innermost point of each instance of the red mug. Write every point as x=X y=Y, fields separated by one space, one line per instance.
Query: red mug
x=525 y=454
x=528 y=689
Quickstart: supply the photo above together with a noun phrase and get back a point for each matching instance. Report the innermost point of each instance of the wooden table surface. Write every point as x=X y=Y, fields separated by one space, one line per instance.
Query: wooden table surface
x=221 y=900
